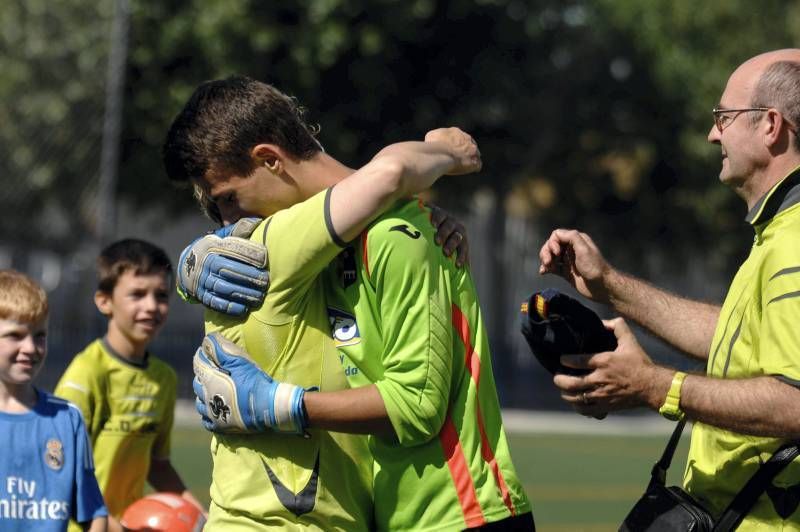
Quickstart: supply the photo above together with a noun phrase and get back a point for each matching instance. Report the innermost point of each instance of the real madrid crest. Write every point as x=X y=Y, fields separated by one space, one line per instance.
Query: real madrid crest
x=54 y=455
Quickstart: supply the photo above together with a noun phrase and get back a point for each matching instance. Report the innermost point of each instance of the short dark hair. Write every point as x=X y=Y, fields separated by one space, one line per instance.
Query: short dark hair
x=130 y=254
x=779 y=87
x=224 y=119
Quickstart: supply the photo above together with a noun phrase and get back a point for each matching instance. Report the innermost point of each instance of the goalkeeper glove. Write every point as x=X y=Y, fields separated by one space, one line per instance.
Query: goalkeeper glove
x=235 y=395
x=555 y=324
x=224 y=271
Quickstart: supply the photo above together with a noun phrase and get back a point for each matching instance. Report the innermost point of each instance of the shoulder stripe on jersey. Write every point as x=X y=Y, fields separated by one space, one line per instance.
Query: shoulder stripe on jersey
x=329 y=221
x=730 y=347
x=364 y=256
x=57 y=400
x=786 y=271
x=788 y=295
x=473 y=363
x=713 y=358
x=264 y=236
x=75 y=386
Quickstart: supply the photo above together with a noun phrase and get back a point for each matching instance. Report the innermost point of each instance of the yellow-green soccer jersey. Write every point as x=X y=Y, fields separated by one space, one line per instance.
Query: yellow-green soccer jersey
x=408 y=320
x=758 y=334
x=129 y=410
x=285 y=481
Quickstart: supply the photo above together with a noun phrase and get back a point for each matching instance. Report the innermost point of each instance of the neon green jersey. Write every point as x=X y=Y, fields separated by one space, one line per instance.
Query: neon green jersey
x=758 y=333
x=277 y=480
x=406 y=319
x=129 y=411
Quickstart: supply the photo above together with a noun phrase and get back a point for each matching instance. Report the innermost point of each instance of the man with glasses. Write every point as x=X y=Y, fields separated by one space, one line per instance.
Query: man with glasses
x=748 y=403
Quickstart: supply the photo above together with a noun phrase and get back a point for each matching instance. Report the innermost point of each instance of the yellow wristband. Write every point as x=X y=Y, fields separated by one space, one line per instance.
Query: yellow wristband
x=671 y=409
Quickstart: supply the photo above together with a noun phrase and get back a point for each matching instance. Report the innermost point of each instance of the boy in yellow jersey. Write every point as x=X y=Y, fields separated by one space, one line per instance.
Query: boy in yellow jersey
x=127 y=396
x=252 y=162
x=275 y=479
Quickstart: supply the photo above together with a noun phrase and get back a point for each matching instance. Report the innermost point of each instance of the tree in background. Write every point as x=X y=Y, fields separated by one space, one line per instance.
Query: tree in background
x=588 y=113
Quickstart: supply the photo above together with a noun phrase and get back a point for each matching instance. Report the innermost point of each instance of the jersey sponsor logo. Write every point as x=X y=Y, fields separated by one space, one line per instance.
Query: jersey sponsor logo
x=219 y=409
x=344 y=328
x=403 y=228
x=54 y=454
x=20 y=502
x=304 y=500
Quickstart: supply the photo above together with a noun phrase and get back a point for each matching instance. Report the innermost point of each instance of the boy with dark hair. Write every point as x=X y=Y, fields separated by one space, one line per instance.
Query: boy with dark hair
x=127 y=396
x=47 y=473
x=405 y=319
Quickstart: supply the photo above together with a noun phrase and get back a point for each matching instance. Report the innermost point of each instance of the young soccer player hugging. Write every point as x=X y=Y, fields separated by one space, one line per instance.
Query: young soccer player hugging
x=127 y=395
x=46 y=471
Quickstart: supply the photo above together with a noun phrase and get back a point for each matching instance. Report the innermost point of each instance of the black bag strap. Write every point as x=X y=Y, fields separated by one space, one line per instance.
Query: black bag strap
x=747 y=496
x=658 y=475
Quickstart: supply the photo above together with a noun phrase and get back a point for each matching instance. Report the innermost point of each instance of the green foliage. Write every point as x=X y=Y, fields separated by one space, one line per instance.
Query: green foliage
x=588 y=113
x=52 y=56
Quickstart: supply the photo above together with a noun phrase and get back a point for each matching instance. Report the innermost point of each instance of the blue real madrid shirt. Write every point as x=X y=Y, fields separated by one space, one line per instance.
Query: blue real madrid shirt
x=46 y=471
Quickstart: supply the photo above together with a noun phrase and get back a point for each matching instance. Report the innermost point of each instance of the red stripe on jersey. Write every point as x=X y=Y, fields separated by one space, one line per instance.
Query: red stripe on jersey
x=473 y=364
x=364 y=258
x=454 y=454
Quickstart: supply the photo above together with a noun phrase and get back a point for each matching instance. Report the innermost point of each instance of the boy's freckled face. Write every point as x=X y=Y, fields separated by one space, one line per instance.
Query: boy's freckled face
x=23 y=348
x=138 y=306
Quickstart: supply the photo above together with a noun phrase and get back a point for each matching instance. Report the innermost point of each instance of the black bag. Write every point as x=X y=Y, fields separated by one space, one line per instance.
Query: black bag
x=669 y=508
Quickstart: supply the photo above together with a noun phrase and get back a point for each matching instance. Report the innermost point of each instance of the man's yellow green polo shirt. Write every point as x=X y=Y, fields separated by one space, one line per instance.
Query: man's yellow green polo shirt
x=758 y=334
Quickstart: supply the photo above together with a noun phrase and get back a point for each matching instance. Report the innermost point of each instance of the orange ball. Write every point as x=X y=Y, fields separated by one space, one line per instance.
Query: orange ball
x=163 y=512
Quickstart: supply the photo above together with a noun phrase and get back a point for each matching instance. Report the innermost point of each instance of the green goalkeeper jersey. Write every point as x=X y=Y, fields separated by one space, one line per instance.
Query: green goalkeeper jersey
x=407 y=319
x=129 y=411
x=282 y=481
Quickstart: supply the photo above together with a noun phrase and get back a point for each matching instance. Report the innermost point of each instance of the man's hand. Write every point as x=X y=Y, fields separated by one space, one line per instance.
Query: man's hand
x=450 y=234
x=575 y=257
x=620 y=379
x=462 y=146
x=234 y=395
x=224 y=271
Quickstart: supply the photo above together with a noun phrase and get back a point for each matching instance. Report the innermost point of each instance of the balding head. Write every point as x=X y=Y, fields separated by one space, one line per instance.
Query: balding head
x=763 y=146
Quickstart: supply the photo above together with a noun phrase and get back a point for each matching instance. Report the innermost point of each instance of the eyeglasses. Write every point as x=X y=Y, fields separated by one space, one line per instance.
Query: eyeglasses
x=725 y=117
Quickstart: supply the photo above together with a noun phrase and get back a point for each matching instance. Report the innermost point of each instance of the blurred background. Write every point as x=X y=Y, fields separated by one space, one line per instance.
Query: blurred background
x=589 y=114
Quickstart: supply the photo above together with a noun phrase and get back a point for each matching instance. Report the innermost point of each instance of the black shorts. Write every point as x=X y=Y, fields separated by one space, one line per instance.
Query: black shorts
x=516 y=523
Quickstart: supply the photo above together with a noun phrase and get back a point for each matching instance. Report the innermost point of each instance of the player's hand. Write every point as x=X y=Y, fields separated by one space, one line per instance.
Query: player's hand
x=450 y=234
x=224 y=270
x=234 y=395
x=575 y=257
x=463 y=148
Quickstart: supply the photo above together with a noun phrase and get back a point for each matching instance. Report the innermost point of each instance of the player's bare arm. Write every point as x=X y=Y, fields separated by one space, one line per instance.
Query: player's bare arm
x=397 y=171
x=683 y=323
x=235 y=395
x=98 y=524
x=359 y=411
x=231 y=277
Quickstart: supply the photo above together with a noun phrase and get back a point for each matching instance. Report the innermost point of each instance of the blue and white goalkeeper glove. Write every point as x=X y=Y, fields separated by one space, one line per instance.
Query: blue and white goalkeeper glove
x=234 y=395
x=224 y=270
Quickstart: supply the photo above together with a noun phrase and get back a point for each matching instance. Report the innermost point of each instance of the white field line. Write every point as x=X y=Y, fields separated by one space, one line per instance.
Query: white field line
x=529 y=422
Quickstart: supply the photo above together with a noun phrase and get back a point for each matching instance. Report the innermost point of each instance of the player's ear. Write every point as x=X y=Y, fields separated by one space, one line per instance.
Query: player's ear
x=103 y=302
x=269 y=156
